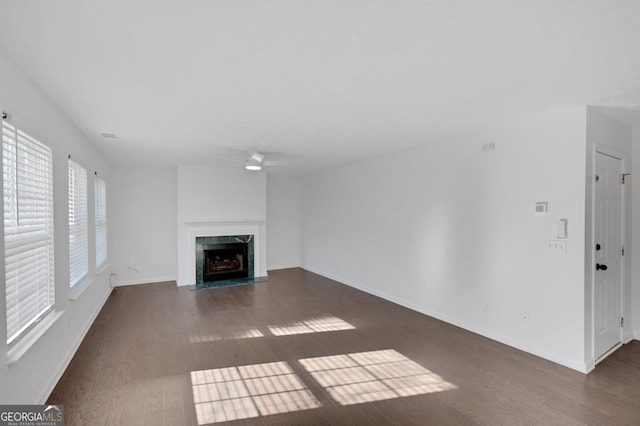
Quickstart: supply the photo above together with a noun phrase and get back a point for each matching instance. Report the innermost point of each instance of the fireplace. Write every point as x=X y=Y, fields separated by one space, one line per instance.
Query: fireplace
x=224 y=257
x=225 y=261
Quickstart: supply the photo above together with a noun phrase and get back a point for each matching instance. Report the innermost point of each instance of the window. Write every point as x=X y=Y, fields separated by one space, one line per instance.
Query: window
x=101 y=221
x=27 y=168
x=78 y=224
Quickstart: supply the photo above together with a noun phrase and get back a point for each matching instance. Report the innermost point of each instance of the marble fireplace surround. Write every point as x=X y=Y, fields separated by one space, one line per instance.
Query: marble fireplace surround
x=193 y=230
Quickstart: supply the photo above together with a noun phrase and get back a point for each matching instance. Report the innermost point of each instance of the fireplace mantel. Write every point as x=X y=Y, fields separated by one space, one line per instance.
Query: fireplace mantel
x=189 y=231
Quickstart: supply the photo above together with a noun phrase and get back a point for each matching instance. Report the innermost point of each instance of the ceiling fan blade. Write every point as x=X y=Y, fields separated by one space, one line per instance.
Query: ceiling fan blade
x=270 y=163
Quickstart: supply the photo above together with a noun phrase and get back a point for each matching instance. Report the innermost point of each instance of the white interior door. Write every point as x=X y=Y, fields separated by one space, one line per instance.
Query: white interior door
x=607 y=253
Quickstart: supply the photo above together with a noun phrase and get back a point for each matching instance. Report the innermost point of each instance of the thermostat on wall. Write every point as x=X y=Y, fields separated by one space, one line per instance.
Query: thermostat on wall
x=542 y=207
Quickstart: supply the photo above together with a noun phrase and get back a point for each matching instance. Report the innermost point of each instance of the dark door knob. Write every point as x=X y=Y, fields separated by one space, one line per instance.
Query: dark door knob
x=600 y=267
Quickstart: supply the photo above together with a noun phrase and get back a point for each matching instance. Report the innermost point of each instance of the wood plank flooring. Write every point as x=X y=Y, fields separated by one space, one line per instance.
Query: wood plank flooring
x=301 y=349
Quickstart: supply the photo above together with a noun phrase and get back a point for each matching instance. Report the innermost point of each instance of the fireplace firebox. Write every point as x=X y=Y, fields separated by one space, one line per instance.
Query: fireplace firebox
x=225 y=261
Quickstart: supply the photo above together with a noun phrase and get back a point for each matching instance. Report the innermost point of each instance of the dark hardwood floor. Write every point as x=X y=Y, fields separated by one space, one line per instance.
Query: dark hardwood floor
x=302 y=349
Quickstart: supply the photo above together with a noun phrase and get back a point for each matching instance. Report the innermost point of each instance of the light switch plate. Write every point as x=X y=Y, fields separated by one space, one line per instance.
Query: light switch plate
x=563 y=225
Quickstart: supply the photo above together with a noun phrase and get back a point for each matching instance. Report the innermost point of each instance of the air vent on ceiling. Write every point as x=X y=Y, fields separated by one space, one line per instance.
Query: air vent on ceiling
x=108 y=135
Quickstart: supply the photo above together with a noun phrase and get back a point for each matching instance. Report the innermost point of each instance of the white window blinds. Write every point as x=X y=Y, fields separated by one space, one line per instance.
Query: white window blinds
x=101 y=221
x=78 y=224
x=27 y=167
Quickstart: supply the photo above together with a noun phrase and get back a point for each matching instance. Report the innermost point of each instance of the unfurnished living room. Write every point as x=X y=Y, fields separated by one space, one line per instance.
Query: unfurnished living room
x=320 y=212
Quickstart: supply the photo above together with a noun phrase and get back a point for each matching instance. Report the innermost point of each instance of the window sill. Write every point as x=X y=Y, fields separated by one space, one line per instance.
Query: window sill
x=21 y=347
x=103 y=267
x=79 y=288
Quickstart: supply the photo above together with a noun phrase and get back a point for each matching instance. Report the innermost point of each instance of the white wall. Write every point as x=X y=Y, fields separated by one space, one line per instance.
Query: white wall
x=635 y=214
x=218 y=195
x=449 y=230
x=606 y=132
x=283 y=221
x=142 y=224
x=31 y=379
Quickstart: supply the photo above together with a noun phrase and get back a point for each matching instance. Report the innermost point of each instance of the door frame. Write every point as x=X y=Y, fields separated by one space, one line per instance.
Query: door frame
x=617 y=155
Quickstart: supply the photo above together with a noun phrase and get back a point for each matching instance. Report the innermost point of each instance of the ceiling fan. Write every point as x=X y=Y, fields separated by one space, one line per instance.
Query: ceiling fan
x=256 y=161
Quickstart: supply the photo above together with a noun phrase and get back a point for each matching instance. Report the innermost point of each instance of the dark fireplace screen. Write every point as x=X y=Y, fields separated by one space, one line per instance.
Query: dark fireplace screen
x=225 y=261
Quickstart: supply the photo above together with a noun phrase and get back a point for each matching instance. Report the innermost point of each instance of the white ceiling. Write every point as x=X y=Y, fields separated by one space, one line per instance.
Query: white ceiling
x=324 y=83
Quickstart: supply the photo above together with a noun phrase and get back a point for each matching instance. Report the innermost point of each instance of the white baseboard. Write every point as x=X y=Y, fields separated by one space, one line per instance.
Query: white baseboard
x=275 y=268
x=76 y=345
x=582 y=367
x=146 y=281
x=590 y=366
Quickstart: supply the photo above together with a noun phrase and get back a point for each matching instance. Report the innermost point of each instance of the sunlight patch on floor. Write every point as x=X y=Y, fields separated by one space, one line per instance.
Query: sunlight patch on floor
x=373 y=376
x=231 y=335
x=233 y=393
x=320 y=324
x=312 y=325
